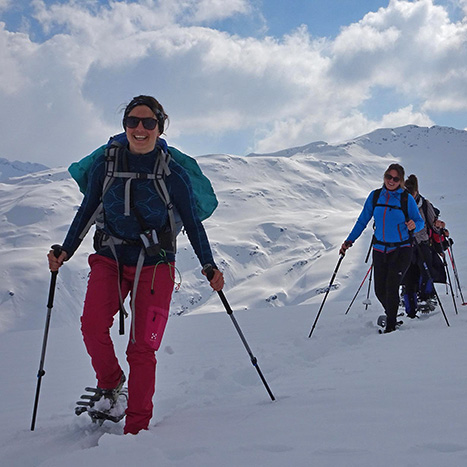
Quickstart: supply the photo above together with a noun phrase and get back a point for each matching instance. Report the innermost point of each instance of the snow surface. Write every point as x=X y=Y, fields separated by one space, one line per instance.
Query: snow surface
x=346 y=397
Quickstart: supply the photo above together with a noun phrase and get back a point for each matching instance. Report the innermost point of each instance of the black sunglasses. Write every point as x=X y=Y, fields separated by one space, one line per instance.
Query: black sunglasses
x=390 y=177
x=148 y=122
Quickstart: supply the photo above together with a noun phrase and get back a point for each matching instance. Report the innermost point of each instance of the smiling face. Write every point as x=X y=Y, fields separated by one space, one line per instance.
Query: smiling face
x=141 y=140
x=389 y=181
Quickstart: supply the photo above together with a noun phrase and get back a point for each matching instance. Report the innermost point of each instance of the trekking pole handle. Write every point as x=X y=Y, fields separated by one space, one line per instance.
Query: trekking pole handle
x=209 y=271
x=57 y=249
x=445 y=233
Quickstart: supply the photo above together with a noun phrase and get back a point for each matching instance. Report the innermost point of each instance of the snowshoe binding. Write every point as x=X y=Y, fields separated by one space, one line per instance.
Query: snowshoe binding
x=426 y=306
x=104 y=404
x=382 y=320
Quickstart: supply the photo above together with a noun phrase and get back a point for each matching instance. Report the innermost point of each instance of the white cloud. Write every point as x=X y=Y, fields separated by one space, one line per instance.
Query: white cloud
x=345 y=126
x=15 y=50
x=274 y=92
x=400 y=117
x=211 y=10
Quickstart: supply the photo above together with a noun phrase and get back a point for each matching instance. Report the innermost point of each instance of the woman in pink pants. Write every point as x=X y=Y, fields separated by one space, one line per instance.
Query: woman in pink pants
x=135 y=252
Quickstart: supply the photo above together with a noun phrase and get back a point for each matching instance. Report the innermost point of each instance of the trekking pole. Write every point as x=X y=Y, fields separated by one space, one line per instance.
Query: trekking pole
x=341 y=257
x=425 y=267
x=369 y=250
x=367 y=300
x=454 y=268
x=57 y=250
x=454 y=272
x=450 y=283
x=358 y=290
x=208 y=269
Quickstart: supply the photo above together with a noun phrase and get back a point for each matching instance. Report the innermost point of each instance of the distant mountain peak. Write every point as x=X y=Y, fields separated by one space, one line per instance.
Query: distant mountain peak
x=13 y=169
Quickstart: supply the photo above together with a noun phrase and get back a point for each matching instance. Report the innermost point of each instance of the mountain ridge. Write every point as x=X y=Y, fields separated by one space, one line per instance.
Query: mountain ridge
x=278 y=220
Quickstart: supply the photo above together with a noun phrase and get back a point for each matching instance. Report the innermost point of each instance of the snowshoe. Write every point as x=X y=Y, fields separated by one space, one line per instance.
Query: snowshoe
x=382 y=319
x=426 y=306
x=104 y=404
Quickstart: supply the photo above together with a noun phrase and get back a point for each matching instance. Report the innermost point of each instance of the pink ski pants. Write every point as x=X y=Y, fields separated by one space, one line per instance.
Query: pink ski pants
x=151 y=313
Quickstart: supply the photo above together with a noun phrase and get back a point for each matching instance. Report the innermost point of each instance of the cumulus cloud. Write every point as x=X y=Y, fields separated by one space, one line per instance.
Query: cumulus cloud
x=272 y=92
x=209 y=10
x=410 y=47
x=15 y=50
x=346 y=126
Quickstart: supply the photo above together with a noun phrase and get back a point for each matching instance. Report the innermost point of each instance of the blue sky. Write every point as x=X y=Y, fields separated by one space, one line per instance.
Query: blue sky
x=324 y=18
x=235 y=77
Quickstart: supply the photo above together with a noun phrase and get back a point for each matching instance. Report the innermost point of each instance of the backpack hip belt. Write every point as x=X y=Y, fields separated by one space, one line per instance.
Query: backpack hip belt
x=391 y=244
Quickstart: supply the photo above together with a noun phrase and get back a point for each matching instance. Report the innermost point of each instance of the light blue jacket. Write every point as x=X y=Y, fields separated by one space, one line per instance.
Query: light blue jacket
x=389 y=219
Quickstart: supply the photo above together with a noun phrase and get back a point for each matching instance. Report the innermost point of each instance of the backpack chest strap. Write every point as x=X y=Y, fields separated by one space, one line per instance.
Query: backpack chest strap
x=129 y=177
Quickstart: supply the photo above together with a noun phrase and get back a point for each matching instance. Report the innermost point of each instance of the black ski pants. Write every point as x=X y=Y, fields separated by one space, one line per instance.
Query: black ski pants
x=389 y=269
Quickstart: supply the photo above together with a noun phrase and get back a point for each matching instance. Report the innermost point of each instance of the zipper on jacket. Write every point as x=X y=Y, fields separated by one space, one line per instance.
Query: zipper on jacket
x=384 y=216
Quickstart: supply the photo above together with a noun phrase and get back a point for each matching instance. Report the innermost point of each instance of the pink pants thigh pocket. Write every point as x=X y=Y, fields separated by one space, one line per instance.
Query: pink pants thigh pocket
x=155 y=326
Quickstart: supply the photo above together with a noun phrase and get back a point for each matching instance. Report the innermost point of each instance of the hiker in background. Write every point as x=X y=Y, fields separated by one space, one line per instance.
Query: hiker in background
x=418 y=284
x=134 y=252
x=396 y=215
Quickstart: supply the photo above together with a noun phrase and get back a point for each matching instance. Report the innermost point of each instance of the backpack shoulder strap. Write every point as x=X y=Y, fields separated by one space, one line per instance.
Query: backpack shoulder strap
x=376 y=195
x=111 y=162
x=161 y=170
x=405 y=204
x=425 y=207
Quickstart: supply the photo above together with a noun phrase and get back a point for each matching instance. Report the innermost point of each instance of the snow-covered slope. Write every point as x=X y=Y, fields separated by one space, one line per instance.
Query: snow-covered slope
x=345 y=397
x=279 y=215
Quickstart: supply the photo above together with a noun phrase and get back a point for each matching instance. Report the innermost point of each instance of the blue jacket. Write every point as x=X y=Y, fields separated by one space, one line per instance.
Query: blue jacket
x=389 y=222
x=149 y=205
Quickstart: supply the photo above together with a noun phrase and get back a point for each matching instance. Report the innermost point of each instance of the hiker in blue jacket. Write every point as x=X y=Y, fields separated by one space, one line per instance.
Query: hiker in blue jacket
x=135 y=252
x=392 y=240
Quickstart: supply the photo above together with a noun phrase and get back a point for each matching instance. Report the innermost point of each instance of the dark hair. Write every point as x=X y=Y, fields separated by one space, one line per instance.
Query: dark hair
x=400 y=171
x=411 y=184
x=153 y=104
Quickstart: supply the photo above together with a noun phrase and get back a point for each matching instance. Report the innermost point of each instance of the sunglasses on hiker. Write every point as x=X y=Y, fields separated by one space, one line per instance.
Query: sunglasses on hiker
x=390 y=177
x=149 y=123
